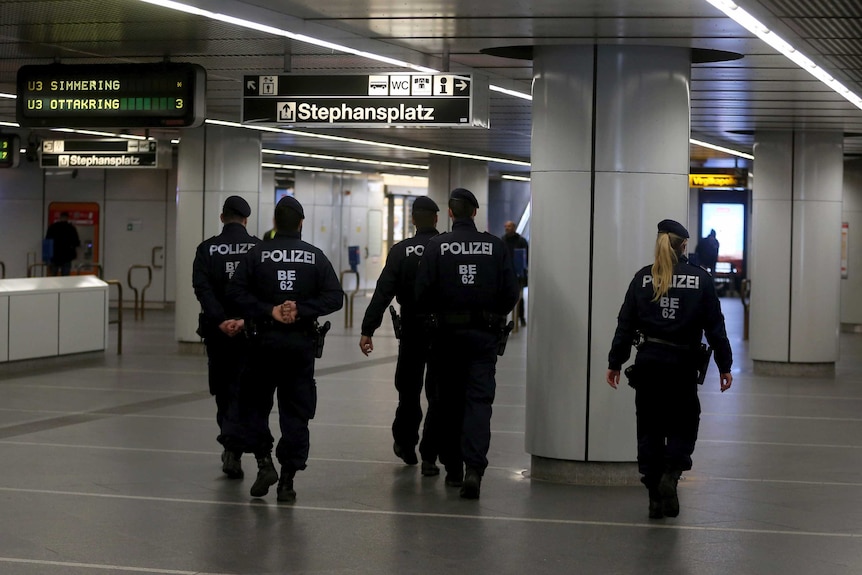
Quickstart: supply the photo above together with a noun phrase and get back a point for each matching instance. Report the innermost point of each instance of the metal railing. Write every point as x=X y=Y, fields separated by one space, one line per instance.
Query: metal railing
x=745 y=296
x=83 y=268
x=119 y=320
x=42 y=265
x=348 y=301
x=143 y=290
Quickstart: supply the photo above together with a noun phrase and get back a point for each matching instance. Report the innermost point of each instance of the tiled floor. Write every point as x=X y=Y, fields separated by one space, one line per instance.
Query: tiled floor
x=109 y=464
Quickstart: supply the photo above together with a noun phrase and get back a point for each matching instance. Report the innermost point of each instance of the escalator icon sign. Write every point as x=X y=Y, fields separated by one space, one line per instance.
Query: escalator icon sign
x=286 y=111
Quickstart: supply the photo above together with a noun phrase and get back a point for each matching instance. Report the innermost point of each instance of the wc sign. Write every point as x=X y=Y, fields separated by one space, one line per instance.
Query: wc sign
x=419 y=85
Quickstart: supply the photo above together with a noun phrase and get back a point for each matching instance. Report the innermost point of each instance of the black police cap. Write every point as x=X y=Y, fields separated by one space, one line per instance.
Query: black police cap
x=672 y=227
x=425 y=203
x=238 y=205
x=291 y=203
x=466 y=195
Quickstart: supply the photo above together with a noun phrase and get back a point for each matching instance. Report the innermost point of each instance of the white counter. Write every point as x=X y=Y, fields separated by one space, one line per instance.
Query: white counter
x=44 y=317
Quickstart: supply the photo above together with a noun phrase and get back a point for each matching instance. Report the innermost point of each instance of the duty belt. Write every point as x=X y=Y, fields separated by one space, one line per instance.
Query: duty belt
x=468 y=319
x=648 y=339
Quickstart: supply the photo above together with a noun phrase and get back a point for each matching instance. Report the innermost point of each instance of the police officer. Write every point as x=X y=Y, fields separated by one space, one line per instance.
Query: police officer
x=220 y=323
x=282 y=286
x=398 y=280
x=466 y=281
x=668 y=307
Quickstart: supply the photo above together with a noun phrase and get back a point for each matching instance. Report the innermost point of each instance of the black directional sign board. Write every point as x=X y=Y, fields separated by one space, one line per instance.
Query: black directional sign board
x=370 y=101
x=104 y=154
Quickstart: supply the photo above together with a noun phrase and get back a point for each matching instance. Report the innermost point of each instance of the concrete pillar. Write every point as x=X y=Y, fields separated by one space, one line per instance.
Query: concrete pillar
x=851 y=214
x=610 y=159
x=214 y=162
x=446 y=174
x=796 y=250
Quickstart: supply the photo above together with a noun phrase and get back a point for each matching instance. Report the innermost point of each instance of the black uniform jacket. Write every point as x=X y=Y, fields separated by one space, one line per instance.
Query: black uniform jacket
x=216 y=259
x=397 y=280
x=466 y=270
x=285 y=268
x=690 y=309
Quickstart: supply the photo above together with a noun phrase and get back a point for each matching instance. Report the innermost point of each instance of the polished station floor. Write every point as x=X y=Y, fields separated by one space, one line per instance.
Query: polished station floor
x=109 y=465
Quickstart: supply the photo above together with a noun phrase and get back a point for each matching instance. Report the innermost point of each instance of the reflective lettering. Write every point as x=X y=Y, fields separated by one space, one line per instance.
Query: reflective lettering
x=288 y=256
x=467 y=248
x=677 y=281
x=417 y=250
x=230 y=249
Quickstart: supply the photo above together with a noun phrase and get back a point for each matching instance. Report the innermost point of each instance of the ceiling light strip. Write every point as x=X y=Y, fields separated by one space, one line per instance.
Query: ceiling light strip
x=756 y=27
x=372 y=143
x=721 y=149
x=345 y=159
x=286 y=34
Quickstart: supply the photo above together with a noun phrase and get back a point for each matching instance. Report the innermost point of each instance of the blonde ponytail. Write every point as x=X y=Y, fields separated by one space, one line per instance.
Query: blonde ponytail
x=667 y=249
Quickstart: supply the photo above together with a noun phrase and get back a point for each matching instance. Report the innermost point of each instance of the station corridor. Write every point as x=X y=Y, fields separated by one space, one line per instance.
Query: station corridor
x=109 y=465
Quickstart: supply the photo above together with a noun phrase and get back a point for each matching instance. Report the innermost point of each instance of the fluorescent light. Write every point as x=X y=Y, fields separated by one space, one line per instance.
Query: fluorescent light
x=514 y=93
x=106 y=134
x=516 y=178
x=10 y=124
x=721 y=149
x=371 y=143
x=345 y=159
x=10 y=96
x=286 y=34
x=307 y=168
x=756 y=27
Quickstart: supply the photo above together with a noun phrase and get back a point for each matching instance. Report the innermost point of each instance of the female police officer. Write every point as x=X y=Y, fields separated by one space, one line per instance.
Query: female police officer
x=668 y=307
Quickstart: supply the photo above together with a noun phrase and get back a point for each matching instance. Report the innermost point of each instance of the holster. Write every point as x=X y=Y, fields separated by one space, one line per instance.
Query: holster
x=704 y=353
x=396 y=321
x=504 y=337
x=319 y=337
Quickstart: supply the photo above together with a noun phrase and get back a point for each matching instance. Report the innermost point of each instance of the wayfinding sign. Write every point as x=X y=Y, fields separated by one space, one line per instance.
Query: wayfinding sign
x=367 y=101
x=110 y=153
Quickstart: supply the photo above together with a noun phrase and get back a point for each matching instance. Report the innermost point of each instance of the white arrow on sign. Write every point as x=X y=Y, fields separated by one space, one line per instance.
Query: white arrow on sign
x=462 y=85
x=252 y=85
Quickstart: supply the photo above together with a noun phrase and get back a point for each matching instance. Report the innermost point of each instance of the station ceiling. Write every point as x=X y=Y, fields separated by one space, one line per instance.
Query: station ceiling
x=730 y=100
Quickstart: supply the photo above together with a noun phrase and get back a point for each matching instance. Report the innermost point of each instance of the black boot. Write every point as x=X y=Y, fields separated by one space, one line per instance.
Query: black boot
x=429 y=468
x=667 y=490
x=408 y=456
x=472 y=484
x=454 y=475
x=655 y=505
x=231 y=465
x=266 y=476
x=285 y=491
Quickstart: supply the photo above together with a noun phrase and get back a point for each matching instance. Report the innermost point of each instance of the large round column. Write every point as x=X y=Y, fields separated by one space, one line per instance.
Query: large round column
x=610 y=159
x=796 y=252
x=214 y=162
x=851 y=247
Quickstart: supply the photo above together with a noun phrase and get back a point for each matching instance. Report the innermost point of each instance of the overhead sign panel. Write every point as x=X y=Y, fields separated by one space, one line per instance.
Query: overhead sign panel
x=166 y=94
x=10 y=146
x=368 y=101
x=104 y=154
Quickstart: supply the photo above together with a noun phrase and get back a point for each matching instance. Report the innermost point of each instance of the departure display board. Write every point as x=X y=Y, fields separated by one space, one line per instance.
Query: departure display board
x=165 y=94
x=10 y=151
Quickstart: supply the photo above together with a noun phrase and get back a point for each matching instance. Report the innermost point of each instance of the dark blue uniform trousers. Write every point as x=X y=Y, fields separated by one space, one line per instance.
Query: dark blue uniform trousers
x=225 y=359
x=668 y=418
x=463 y=367
x=285 y=371
x=410 y=371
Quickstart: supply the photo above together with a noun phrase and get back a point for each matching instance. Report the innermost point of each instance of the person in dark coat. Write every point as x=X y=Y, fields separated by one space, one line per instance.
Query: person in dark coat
x=282 y=287
x=668 y=308
x=220 y=323
x=515 y=241
x=397 y=280
x=707 y=251
x=65 y=244
x=466 y=281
